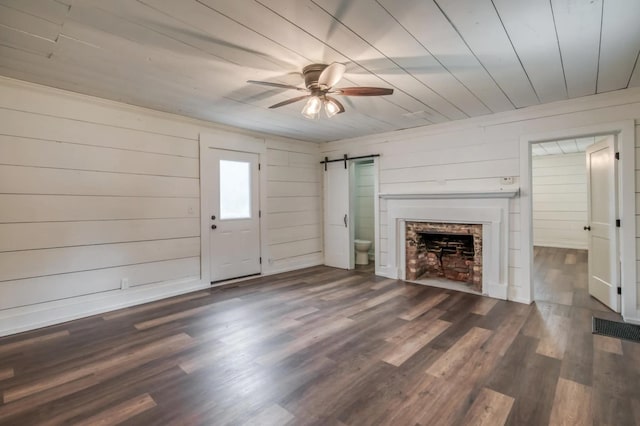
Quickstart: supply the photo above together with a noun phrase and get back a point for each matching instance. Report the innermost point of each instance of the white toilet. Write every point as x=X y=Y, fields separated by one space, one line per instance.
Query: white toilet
x=362 y=251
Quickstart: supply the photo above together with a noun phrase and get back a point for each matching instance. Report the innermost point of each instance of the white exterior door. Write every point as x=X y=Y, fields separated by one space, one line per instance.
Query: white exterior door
x=234 y=214
x=337 y=250
x=602 y=202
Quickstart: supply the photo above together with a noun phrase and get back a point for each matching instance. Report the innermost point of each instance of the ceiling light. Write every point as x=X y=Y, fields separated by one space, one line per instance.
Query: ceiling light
x=331 y=108
x=312 y=108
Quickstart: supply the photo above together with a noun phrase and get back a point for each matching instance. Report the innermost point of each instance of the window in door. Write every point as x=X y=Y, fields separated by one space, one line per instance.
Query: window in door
x=235 y=190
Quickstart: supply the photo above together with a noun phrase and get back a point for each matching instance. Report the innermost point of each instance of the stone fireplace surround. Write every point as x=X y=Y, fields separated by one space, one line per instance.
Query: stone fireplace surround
x=489 y=209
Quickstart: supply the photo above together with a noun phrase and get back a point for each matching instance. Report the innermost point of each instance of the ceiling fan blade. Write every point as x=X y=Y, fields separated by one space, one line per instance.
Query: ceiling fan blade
x=363 y=91
x=281 y=86
x=331 y=75
x=335 y=101
x=289 y=101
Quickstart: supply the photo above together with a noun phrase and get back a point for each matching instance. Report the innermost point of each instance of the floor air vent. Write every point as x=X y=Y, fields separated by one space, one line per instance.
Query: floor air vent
x=620 y=330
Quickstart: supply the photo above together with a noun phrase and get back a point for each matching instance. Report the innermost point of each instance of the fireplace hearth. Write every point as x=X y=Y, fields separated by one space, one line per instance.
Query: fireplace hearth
x=451 y=251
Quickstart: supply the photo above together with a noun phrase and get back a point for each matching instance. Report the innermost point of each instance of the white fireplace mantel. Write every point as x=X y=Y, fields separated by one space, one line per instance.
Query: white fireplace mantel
x=492 y=211
x=498 y=193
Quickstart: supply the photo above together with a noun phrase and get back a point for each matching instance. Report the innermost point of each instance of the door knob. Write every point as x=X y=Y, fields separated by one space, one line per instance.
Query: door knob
x=345 y=221
x=213 y=226
x=587 y=228
x=213 y=217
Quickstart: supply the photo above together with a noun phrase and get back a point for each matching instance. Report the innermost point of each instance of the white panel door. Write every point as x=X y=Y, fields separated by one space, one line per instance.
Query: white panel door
x=602 y=201
x=234 y=214
x=336 y=216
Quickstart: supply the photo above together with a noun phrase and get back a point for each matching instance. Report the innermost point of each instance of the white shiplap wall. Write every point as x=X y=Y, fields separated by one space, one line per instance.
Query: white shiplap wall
x=294 y=206
x=364 y=209
x=93 y=191
x=475 y=153
x=559 y=200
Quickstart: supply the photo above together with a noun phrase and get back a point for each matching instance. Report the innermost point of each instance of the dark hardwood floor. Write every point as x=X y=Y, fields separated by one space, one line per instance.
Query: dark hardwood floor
x=329 y=347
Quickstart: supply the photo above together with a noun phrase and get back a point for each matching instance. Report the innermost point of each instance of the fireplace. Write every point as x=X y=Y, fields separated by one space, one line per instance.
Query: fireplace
x=487 y=212
x=451 y=251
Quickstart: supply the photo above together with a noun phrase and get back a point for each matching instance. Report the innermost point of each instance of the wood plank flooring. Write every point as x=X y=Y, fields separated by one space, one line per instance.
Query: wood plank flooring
x=323 y=346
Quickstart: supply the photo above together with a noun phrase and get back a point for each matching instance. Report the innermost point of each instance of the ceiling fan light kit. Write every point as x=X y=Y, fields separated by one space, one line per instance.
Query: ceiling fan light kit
x=319 y=80
x=312 y=108
x=331 y=107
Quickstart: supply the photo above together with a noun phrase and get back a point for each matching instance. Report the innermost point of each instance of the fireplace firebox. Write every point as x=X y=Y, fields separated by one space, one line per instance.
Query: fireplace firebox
x=451 y=251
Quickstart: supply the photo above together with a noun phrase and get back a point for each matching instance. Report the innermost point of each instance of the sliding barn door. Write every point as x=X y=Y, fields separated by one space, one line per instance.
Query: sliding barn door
x=336 y=216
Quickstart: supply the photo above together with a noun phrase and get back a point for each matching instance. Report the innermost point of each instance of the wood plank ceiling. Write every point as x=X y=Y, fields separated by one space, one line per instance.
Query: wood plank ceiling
x=565 y=146
x=446 y=59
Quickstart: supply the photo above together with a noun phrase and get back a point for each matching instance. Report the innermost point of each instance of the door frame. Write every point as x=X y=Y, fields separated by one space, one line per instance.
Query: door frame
x=376 y=209
x=625 y=134
x=376 y=216
x=229 y=142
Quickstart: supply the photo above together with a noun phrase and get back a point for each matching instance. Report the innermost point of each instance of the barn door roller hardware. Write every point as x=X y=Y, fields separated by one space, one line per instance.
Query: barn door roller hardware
x=346 y=158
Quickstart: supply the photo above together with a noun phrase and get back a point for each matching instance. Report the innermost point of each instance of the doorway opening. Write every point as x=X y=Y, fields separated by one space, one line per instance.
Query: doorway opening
x=362 y=182
x=575 y=247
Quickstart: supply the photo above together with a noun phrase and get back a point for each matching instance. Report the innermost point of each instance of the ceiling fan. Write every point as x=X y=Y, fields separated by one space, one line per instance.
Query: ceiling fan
x=319 y=80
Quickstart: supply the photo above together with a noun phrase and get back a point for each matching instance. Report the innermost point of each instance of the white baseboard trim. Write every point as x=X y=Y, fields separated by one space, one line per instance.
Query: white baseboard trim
x=560 y=244
x=632 y=320
x=17 y=320
x=294 y=263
